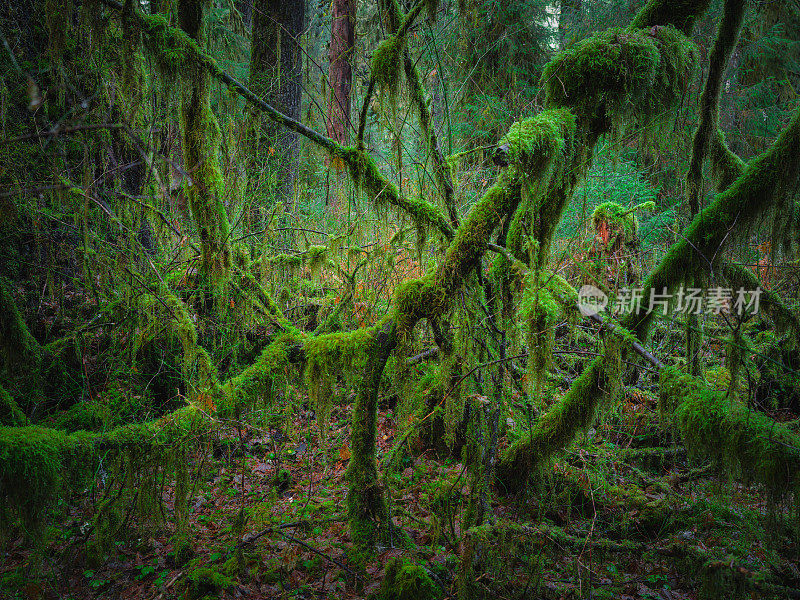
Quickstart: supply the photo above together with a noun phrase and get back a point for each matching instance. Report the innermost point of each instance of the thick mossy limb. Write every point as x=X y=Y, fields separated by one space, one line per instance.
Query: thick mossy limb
x=366 y=506
x=748 y=444
x=533 y=147
x=430 y=296
x=329 y=355
x=726 y=166
x=37 y=464
x=768 y=178
x=621 y=77
x=555 y=429
x=727 y=36
x=261 y=379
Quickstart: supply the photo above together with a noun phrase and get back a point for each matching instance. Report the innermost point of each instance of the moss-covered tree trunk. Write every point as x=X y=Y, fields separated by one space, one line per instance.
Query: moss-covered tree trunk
x=205 y=188
x=366 y=506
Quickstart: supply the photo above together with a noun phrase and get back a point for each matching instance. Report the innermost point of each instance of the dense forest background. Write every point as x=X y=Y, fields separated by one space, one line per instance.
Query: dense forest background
x=299 y=299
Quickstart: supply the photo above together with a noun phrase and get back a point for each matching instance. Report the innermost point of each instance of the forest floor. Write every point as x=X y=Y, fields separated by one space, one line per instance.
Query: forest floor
x=623 y=514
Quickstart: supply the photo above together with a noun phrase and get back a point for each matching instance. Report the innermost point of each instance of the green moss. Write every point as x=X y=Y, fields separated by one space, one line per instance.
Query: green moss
x=316 y=257
x=621 y=222
x=406 y=581
x=387 y=62
x=681 y=14
x=366 y=507
x=745 y=443
x=261 y=379
x=34 y=462
x=535 y=142
x=331 y=355
x=762 y=188
x=203 y=582
x=366 y=175
x=621 y=77
x=557 y=427
x=10 y=414
x=726 y=167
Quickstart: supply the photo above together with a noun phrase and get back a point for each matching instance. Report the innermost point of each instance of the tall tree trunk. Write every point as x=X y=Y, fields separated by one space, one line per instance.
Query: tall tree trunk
x=200 y=134
x=276 y=74
x=343 y=41
x=568 y=19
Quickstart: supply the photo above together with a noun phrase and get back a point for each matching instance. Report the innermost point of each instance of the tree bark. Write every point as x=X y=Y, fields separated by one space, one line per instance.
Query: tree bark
x=200 y=143
x=340 y=72
x=276 y=73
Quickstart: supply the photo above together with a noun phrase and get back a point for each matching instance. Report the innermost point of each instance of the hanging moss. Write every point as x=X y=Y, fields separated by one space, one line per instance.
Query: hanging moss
x=20 y=352
x=365 y=173
x=38 y=464
x=725 y=42
x=748 y=444
x=331 y=355
x=386 y=64
x=10 y=414
x=316 y=258
x=261 y=379
x=366 y=506
x=768 y=180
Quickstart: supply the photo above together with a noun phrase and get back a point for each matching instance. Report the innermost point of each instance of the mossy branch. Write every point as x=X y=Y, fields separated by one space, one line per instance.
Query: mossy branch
x=727 y=36
x=177 y=49
x=748 y=444
x=766 y=180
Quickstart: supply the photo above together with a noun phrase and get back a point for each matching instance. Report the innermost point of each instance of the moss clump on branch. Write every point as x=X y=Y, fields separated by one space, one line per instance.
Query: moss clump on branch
x=621 y=223
x=365 y=173
x=748 y=444
x=261 y=379
x=556 y=428
x=387 y=64
x=621 y=77
x=37 y=464
x=764 y=187
x=33 y=464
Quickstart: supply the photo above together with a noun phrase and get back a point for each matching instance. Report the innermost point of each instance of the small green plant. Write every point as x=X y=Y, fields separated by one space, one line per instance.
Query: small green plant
x=95 y=582
x=145 y=571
